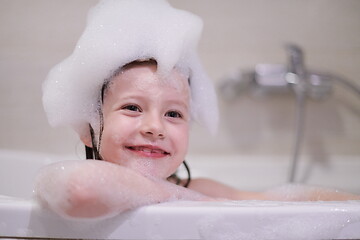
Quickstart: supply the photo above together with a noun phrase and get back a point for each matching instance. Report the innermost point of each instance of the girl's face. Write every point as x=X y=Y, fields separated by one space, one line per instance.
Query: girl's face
x=146 y=121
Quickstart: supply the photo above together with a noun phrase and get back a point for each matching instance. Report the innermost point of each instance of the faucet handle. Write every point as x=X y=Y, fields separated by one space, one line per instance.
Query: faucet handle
x=296 y=63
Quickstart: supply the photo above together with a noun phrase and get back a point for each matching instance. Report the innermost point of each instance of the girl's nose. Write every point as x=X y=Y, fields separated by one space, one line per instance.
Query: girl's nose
x=153 y=127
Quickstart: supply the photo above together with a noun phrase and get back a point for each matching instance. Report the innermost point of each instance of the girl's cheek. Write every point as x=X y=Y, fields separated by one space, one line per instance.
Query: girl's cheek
x=116 y=138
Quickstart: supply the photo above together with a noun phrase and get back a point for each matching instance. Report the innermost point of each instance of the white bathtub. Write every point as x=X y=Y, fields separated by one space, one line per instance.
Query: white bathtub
x=21 y=217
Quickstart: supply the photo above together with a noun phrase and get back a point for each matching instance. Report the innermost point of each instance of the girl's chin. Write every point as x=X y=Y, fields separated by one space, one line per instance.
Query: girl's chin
x=147 y=167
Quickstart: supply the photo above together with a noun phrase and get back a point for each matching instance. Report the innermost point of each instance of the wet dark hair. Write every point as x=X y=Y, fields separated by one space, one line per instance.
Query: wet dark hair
x=94 y=151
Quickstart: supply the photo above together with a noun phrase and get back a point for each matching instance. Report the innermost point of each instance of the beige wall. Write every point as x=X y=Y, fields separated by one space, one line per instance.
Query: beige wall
x=238 y=34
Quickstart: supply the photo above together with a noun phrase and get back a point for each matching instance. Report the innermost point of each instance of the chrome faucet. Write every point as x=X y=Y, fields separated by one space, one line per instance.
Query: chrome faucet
x=268 y=79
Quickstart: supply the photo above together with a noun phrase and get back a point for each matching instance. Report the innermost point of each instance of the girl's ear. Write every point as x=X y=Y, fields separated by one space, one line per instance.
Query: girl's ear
x=86 y=140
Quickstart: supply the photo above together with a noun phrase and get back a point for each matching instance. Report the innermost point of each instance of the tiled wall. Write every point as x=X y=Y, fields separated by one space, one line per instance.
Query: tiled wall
x=238 y=34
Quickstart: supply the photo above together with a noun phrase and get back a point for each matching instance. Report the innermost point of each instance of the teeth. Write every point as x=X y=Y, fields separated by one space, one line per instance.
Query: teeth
x=148 y=150
x=156 y=151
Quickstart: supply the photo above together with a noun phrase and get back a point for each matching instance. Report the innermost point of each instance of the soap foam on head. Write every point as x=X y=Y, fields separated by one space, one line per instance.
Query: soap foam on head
x=119 y=32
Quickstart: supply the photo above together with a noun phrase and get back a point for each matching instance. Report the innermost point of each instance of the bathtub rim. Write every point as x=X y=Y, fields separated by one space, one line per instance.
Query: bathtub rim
x=156 y=220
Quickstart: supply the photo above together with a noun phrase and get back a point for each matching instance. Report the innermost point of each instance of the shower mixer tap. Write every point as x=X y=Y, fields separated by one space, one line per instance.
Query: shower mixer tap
x=267 y=79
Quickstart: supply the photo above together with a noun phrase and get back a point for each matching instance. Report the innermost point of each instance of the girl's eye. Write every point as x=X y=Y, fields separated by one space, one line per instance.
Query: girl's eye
x=173 y=114
x=132 y=108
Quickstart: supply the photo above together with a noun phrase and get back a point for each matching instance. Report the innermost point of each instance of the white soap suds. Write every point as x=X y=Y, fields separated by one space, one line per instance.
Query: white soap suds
x=119 y=32
x=300 y=192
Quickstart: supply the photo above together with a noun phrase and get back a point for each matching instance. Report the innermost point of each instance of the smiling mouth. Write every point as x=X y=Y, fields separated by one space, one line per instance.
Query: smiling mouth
x=148 y=151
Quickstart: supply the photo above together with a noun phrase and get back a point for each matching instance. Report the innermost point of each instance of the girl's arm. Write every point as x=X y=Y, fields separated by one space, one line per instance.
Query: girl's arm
x=287 y=192
x=88 y=189
x=216 y=189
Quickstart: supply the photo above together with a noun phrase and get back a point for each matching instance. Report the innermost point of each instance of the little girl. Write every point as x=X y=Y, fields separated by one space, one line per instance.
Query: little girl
x=131 y=89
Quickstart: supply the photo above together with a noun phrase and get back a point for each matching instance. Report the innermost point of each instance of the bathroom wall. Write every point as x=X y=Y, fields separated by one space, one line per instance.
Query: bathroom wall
x=238 y=34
